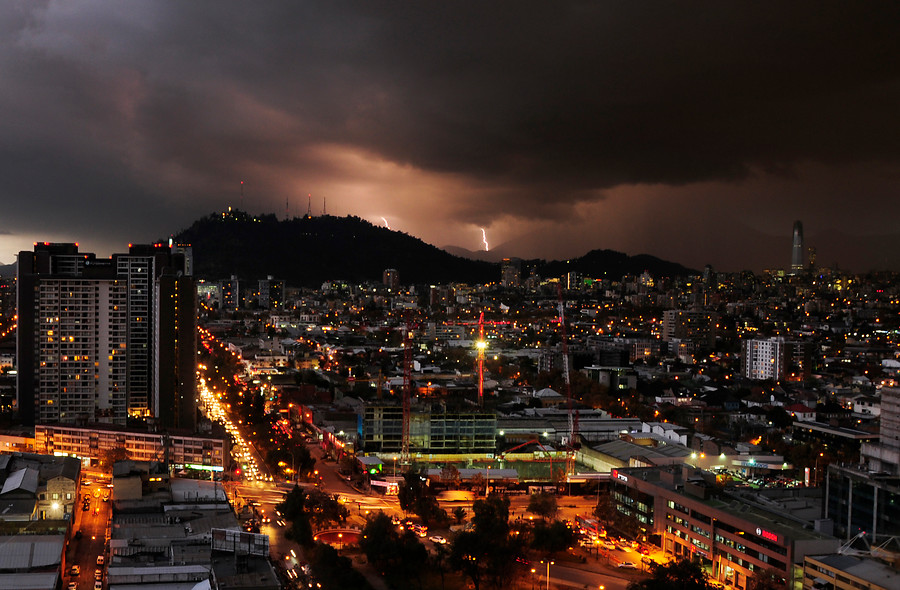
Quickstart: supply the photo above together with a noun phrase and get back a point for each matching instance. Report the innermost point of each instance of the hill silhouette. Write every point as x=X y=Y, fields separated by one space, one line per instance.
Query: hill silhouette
x=307 y=251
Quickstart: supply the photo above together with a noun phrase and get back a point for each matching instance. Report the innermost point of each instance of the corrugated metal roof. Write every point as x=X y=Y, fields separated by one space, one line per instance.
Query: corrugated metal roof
x=29 y=581
x=23 y=479
x=31 y=551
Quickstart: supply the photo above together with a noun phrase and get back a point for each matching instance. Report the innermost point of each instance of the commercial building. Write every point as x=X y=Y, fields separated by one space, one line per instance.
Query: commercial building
x=733 y=538
x=848 y=572
x=865 y=497
x=102 y=340
x=97 y=442
x=797 y=249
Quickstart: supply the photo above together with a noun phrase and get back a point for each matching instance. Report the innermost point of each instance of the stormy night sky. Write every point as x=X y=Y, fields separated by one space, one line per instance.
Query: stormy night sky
x=694 y=131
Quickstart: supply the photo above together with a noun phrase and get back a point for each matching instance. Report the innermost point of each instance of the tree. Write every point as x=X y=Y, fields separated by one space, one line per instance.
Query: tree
x=459 y=513
x=552 y=538
x=450 y=474
x=543 y=504
x=398 y=555
x=293 y=507
x=683 y=574
x=411 y=490
x=488 y=552
x=766 y=580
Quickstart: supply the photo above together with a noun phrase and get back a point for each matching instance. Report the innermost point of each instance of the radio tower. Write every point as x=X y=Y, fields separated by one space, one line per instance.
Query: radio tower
x=309 y=206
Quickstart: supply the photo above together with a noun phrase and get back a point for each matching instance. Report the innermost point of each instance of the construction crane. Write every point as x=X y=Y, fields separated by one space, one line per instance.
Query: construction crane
x=573 y=412
x=407 y=391
x=480 y=345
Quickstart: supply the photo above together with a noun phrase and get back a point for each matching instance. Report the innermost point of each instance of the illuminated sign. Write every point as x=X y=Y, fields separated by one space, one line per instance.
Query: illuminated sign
x=769 y=536
x=620 y=476
x=205 y=467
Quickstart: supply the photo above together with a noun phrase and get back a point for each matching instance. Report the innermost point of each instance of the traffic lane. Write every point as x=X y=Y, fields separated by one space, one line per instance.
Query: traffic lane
x=560 y=574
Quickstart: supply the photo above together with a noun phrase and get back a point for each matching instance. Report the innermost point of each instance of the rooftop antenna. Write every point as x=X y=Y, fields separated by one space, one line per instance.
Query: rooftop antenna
x=309 y=205
x=324 y=210
x=242 y=195
x=287 y=212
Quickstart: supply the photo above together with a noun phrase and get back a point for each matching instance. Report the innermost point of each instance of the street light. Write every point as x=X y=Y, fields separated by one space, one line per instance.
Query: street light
x=532 y=578
x=549 y=563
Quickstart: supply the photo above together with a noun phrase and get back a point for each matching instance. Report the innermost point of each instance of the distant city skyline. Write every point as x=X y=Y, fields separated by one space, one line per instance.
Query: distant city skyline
x=698 y=136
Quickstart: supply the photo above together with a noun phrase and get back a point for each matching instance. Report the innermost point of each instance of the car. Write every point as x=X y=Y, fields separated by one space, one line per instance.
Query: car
x=86 y=507
x=98 y=574
x=73 y=586
x=438 y=539
x=98 y=585
x=75 y=570
x=100 y=560
x=608 y=545
x=78 y=534
x=627 y=565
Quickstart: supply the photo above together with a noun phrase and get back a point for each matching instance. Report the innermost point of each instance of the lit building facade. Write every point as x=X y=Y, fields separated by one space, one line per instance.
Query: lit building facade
x=91 y=331
x=92 y=443
x=732 y=539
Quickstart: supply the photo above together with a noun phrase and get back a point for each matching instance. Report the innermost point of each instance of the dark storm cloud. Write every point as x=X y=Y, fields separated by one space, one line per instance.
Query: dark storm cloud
x=155 y=110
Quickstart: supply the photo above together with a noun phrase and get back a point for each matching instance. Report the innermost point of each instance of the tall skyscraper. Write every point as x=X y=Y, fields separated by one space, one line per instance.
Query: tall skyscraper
x=511 y=272
x=101 y=340
x=797 y=249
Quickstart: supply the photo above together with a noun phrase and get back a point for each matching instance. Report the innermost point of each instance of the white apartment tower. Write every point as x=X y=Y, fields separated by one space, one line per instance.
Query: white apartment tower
x=763 y=359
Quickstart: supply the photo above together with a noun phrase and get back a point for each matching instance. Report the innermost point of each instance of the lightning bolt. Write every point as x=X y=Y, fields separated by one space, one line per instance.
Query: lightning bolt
x=484 y=239
x=385 y=223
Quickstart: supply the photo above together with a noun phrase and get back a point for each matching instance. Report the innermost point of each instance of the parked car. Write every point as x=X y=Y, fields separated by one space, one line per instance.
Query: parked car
x=627 y=565
x=100 y=560
x=438 y=539
x=74 y=570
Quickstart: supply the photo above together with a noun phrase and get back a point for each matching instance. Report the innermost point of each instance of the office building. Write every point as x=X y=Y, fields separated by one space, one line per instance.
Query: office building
x=797 y=249
x=865 y=497
x=430 y=431
x=102 y=340
x=732 y=537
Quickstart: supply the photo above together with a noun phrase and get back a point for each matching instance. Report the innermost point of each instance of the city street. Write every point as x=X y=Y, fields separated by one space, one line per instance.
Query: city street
x=94 y=527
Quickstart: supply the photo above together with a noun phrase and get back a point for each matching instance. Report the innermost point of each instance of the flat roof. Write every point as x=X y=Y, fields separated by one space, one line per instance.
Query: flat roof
x=870 y=570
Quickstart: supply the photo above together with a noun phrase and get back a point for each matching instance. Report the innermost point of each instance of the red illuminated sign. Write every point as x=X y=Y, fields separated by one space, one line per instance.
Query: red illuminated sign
x=769 y=536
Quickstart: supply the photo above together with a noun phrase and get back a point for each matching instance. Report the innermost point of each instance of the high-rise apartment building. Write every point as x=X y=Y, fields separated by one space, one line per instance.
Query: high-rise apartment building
x=390 y=278
x=271 y=293
x=698 y=327
x=511 y=272
x=100 y=340
x=797 y=249
x=775 y=359
x=763 y=359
